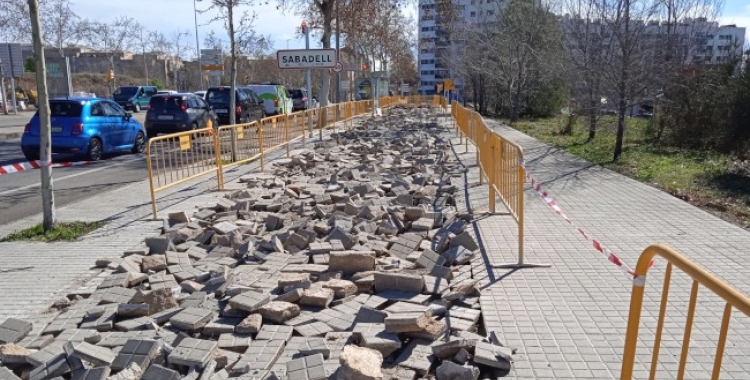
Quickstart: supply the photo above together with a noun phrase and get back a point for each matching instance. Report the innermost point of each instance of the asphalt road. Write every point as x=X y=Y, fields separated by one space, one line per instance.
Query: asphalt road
x=20 y=194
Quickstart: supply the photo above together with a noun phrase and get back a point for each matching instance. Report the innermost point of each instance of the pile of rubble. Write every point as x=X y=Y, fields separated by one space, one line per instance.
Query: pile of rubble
x=349 y=261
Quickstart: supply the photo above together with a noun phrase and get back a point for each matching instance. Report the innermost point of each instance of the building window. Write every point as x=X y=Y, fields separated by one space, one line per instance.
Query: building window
x=473 y=14
x=490 y=13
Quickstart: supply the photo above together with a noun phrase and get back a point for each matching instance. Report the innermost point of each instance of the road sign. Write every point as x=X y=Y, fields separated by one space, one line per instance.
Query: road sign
x=12 y=60
x=306 y=59
x=338 y=67
x=405 y=87
x=363 y=88
x=448 y=84
x=54 y=70
x=212 y=60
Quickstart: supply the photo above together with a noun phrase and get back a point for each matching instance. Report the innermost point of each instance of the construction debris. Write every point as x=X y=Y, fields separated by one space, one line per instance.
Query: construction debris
x=345 y=261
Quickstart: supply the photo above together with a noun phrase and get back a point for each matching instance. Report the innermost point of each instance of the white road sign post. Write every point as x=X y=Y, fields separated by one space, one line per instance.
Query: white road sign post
x=307 y=59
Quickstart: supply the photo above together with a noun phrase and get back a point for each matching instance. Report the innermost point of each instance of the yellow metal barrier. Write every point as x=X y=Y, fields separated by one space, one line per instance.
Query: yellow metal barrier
x=500 y=162
x=734 y=300
x=179 y=157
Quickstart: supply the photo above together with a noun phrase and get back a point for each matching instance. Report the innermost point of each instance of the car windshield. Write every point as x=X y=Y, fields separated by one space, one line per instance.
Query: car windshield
x=165 y=103
x=126 y=91
x=65 y=109
x=217 y=95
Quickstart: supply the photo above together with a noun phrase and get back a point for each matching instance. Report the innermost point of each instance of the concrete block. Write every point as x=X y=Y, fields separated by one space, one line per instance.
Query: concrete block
x=130 y=310
x=98 y=373
x=7 y=374
x=493 y=356
x=417 y=356
x=260 y=356
x=318 y=297
x=368 y=315
x=157 y=372
x=249 y=301
x=12 y=330
x=235 y=342
x=399 y=281
x=192 y=351
x=405 y=322
x=191 y=319
x=291 y=296
x=297 y=280
x=313 y=329
x=14 y=354
x=452 y=371
x=341 y=288
x=382 y=341
x=98 y=356
x=275 y=332
x=221 y=325
x=139 y=351
x=306 y=368
x=337 y=320
x=351 y=262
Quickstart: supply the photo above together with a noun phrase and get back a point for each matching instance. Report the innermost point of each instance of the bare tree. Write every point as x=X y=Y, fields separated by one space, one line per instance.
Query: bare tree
x=45 y=143
x=112 y=37
x=62 y=27
x=227 y=11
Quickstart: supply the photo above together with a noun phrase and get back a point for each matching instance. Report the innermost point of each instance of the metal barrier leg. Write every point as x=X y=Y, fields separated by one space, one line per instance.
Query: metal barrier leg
x=286 y=133
x=521 y=264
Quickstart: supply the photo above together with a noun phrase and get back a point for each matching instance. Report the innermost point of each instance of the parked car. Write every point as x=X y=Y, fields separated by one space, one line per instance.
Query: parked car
x=170 y=113
x=300 y=100
x=89 y=126
x=249 y=107
x=134 y=98
x=276 y=98
x=166 y=92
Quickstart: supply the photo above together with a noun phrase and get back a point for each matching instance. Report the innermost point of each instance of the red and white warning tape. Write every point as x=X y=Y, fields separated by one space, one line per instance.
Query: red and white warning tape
x=21 y=166
x=611 y=256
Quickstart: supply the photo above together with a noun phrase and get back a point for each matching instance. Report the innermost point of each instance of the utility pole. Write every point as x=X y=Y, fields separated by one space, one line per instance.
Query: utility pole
x=198 y=47
x=338 y=55
x=45 y=146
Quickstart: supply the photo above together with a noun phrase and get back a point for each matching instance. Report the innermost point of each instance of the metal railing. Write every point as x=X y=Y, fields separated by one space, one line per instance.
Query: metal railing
x=500 y=161
x=175 y=158
x=179 y=157
x=734 y=300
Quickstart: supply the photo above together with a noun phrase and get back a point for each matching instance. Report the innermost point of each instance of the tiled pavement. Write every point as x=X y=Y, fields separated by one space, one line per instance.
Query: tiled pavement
x=33 y=275
x=569 y=320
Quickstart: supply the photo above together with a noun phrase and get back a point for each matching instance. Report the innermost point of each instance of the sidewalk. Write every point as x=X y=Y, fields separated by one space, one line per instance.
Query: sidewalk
x=33 y=275
x=11 y=126
x=569 y=320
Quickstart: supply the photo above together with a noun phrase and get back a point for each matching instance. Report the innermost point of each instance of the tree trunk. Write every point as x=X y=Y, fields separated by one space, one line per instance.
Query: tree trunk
x=593 y=109
x=622 y=86
x=233 y=64
x=326 y=8
x=45 y=146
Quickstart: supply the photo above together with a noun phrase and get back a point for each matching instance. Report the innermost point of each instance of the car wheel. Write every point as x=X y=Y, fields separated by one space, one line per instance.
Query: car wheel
x=136 y=108
x=140 y=143
x=31 y=156
x=94 y=152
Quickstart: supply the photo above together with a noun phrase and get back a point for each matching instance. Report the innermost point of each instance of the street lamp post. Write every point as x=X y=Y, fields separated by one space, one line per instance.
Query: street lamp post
x=338 y=55
x=306 y=30
x=198 y=45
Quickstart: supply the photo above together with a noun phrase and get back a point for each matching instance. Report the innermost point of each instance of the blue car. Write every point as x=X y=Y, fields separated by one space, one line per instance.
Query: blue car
x=86 y=126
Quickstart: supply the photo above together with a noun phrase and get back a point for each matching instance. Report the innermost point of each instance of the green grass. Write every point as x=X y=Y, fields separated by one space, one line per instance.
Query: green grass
x=701 y=177
x=64 y=231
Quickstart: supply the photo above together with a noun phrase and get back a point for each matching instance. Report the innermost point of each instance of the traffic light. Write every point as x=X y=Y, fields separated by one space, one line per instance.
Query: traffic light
x=364 y=67
x=110 y=75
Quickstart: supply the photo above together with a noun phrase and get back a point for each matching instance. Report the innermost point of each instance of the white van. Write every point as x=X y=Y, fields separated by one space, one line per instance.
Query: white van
x=276 y=98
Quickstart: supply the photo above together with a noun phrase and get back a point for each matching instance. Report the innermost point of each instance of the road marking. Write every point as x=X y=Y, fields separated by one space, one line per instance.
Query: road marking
x=33 y=185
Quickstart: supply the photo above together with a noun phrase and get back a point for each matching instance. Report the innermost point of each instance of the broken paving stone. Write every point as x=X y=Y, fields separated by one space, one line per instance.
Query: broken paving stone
x=14 y=354
x=279 y=311
x=296 y=280
x=493 y=356
x=249 y=325
x=359 y=363
x=405 y=322
x=157 y=372
x=291 y=296
x=318 y=297
x=399 y=281
x=341 y=288
x=452 y=371
x=351 y=262
x=249 y=301
x=154 y=263
x=140 y=351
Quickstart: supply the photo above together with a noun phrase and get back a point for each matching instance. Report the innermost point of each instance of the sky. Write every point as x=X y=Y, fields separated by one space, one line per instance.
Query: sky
x=169 y=16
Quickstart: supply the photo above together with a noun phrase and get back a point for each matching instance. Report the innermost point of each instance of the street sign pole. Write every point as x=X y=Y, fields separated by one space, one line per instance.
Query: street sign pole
x=338 y=52
x=13 y=95
x=2 y=89
x=308 y=76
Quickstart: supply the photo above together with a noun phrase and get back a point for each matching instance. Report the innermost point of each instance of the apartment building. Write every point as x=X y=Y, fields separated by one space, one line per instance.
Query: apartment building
x=439 y=21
